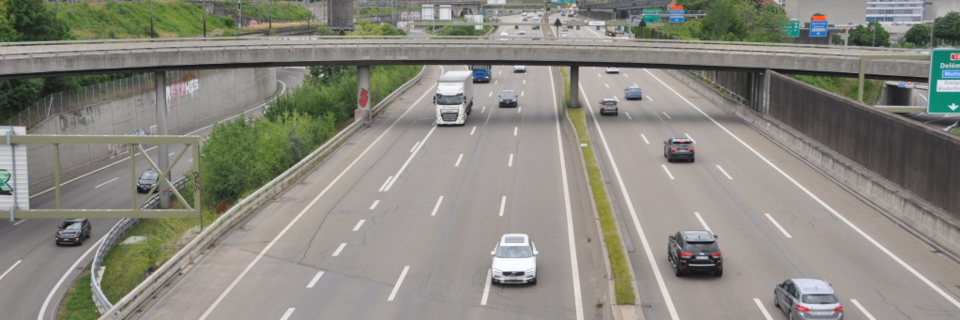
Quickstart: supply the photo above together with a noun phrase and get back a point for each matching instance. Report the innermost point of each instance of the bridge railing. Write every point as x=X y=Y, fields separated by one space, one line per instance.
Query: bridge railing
x=187 y=256
x=114 y=235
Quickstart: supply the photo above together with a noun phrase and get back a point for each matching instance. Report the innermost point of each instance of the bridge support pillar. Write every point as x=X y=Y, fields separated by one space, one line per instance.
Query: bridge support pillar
x=574 y=84
x=363 y=95
x=163 y=158
x=765 y=107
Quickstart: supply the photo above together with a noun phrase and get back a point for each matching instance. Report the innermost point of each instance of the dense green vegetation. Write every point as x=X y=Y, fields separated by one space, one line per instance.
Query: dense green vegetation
x=278 y=11
x=125 y=20
x=78 y=305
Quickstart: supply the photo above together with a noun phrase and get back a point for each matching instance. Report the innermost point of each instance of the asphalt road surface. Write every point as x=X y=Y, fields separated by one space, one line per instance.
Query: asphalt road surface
x=35 y=273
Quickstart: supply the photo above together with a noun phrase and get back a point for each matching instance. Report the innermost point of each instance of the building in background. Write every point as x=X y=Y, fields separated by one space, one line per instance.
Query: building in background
x=939 y=8
x=899 y=12
x=838 y=12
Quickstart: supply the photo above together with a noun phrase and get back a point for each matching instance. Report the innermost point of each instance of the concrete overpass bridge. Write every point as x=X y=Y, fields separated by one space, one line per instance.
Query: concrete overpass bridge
x=27 y=60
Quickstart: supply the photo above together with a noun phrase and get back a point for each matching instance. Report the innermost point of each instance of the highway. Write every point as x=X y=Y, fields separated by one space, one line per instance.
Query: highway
x=776 y=217
x=35 y=273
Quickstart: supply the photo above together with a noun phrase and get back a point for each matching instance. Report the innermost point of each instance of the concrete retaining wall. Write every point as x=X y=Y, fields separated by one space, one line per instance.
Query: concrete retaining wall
x=191 y=104
x=911 y=211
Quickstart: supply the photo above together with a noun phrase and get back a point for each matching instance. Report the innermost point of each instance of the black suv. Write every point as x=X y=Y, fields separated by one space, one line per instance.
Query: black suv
x=147 y=180
x=695 y=251
x=508 y=98
x=73 y=231
x=678 y=148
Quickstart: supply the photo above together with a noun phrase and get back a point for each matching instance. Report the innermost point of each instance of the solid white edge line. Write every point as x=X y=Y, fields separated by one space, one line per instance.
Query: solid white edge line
x=340 y=248
x=821 y=202
x=151 y=148
x=633 y=214
x=778 y=225
x=862 y=309
x=645 y=138
x=766 y=315
x=503 y=203
x=486 y=287
x=704 y=223
x=568 y=210
x=415 y=146
x=436 y=207
x=304 y=211
x=46 y=302
x=374 y=205
x=667 y=170
x=688 y=137
x=384 y=185
x=316 y=278
x=510 y=163
x=108 y=181
x=286 y=315
x=399 y=281
x=474 y=129
x=405 y=164
x=458 y=160
x=9 y=269
x=359 y=223
x=724 y=172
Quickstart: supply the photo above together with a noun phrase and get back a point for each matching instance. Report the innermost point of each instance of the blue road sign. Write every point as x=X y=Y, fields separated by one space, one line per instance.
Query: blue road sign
x=676 y=16
x=818 y=29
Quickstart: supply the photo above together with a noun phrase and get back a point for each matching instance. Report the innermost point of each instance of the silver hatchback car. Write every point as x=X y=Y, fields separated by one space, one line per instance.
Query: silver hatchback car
x=807 y=299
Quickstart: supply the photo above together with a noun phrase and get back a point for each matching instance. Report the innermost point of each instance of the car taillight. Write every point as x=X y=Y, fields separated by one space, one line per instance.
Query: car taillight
x=802 y=308
x=838 y=309
x=715 y=254
x=686 y=254
x=691 y=149
x=673 y=149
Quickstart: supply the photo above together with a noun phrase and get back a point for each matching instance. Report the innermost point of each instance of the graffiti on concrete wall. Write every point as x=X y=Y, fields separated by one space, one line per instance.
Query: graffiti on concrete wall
x=182 y=89
x=79 y=117
x=115 y=150
x=408 y=15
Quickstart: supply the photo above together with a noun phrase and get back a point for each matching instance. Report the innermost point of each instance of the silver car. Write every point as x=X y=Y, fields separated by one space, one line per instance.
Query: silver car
x=807 y=299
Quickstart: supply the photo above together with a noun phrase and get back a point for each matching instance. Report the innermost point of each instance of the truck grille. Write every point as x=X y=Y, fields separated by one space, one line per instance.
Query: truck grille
x=449 y=116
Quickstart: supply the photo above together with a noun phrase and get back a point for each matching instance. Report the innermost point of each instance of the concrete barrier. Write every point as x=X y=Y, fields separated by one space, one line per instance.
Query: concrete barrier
x=925 y=220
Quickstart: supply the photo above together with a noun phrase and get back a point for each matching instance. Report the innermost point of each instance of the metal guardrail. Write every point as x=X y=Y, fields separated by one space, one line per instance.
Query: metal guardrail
x=115 y=233
x=193 y=250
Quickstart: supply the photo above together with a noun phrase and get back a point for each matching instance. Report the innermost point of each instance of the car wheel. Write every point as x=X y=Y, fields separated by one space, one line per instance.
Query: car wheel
x=669 y=159
x=719 y=273
x=534 y=281
x=776 y=302
x=678 y=270
x=692 y=159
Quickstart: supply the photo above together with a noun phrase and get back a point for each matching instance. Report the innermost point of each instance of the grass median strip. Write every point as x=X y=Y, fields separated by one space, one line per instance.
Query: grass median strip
x=618 y=261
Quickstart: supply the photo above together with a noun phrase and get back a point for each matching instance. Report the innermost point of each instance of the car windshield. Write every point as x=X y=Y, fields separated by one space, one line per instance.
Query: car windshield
x=450 y=100
x=479 y=67
x=507 y=94
x=514 y=252
x=819 y=298
x=633 y=89
x=149 y=175
x=72 y=226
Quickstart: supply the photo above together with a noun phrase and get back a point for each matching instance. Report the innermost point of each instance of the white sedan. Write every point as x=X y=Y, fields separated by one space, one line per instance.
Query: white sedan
x=613 y=70
x=519 y=68
x=514 y=260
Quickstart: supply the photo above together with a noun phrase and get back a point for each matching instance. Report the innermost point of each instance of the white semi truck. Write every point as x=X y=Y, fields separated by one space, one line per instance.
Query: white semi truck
x=454 y=97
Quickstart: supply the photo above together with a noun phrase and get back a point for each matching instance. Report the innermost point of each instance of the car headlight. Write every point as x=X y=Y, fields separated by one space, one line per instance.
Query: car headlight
x=531 y=270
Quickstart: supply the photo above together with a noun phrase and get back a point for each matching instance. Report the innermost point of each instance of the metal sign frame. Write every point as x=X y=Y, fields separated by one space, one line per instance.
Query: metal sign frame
x=193 y=211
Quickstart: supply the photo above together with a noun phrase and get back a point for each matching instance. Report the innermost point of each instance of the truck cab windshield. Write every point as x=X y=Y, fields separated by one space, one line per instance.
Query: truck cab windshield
x=450 y=100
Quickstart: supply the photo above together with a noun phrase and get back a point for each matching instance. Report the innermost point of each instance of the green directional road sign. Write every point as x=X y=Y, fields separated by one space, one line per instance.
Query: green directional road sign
x=944 y=81
x=651 y=15
x=790 y=28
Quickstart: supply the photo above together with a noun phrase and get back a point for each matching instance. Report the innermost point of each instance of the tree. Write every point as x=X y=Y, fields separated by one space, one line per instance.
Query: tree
x=872 y=35
x=918 y=35
x=766 y=26
x=693 y=4
x=35 y=21
x=7 y=32
x=948 y=27
x=722 y=20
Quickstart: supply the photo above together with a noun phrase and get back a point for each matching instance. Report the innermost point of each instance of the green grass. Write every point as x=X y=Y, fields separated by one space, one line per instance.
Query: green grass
x=956 y=131
x=127 y=265
x=848 y=87
x=618 y=261
x=127 y=20
x=78 y=305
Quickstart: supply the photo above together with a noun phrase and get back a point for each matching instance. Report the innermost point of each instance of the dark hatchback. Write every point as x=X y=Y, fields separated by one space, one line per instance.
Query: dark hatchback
x=695 y=251
x=508 y=98
x=73 y=231
x=147 y=180
x=678 y=148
